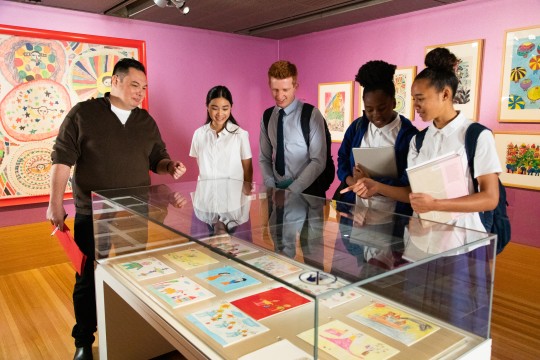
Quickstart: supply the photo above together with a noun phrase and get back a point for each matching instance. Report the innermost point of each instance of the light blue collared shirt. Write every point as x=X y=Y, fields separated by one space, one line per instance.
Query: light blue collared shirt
x=302 y=165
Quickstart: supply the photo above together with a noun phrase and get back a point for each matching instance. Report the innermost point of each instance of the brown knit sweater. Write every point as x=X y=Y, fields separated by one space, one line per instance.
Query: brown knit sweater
x=106 y=153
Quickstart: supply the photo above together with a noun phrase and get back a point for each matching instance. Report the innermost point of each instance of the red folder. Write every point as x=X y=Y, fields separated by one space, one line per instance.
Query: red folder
x=71 y=248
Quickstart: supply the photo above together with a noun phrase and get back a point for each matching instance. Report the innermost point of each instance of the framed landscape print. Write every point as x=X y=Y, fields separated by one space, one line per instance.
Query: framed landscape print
x=520 y=83
x=335 y=104
x=519 y=154
x=403 y=79
x=42 y=75
x=468 y=70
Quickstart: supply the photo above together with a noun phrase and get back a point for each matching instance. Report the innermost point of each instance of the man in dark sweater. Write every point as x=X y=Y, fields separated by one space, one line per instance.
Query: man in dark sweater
x=113 y=144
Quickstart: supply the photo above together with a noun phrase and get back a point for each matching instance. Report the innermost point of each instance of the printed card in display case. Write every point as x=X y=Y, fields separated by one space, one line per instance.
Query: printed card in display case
x=226 y=324
x=397 y=324
x=227 y=279
x=270 y=302
x=146 y=268
x=347 y=343
x=274 y=266
x=190 y=259
x=180 y=291
x=331 y=301
x=230 y=245
x=284 y=349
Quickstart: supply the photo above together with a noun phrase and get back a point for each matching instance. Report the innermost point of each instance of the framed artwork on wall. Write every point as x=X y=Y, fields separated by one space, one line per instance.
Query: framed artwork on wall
x=520 y=84
x=403 y=79
x=42 y=75
x=468 y=70
x=335 y=103
x=519 y=154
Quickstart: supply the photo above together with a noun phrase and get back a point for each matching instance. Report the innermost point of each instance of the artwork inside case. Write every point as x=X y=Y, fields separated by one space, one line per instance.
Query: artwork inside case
x=336 y=104
x=274 y=266
x=347 y=343
x=397 y=324
x=42 y=75
x=332 y=300
x=520 y=89
x=227 y=279
x=270 y=302
x=190 y=259
x=180 y=291
x=226 y=324
x=468 y=71
x=519 y=154
x=146 y=268
x=230 y=245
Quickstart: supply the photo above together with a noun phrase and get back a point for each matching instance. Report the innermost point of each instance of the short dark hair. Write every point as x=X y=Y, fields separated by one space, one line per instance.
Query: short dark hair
x=123 y=65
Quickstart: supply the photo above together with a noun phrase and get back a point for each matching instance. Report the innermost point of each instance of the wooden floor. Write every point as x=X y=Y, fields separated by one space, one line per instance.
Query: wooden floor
x=36 y=314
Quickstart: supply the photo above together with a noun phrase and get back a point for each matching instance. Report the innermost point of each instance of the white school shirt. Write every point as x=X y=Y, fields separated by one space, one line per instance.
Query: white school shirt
x=220 y=156
x=449 y=139
x=380 y=137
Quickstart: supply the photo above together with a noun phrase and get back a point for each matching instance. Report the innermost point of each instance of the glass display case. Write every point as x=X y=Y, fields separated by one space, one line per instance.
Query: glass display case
x=222 y=269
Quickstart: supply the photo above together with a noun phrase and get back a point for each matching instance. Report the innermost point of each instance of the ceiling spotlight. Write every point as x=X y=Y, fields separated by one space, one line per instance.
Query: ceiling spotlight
x=179 y=4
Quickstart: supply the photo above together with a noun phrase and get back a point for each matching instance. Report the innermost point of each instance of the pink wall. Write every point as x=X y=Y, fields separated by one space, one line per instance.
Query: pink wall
x=184 y=63
x=336 y=55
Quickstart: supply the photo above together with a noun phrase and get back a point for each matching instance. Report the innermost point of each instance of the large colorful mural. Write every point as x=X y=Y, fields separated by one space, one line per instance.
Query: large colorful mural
x=42 y=75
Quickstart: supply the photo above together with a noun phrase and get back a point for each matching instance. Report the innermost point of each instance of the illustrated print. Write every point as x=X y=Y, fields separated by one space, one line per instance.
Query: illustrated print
x=523 y=159
x=524 y=91
x=34 y=110
x=28 y=59
x=335 y=110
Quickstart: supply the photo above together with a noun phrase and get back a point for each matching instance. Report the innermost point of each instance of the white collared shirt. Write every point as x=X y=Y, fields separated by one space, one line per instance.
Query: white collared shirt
x=450 y=139
x=385 y=136
x=220 y=156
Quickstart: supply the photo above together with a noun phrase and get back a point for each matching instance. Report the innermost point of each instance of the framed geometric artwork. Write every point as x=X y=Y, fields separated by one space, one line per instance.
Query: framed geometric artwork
x=336 y=104
x=42 y=75
x=519 y=154
x=520 y=84
x=403 y=79
x=468 y=70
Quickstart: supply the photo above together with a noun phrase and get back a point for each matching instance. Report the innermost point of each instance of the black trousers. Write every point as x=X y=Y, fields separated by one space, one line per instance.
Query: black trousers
x=84 y=293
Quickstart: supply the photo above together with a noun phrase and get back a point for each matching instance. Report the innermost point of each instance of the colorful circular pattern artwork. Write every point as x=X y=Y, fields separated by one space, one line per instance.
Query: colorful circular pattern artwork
x=29 y=169
x=27 y=59
x=90 y=73
x=35 y=110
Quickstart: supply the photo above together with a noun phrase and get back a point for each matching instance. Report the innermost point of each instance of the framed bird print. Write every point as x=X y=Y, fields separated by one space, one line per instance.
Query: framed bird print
x=336 y=105
x=520 y=84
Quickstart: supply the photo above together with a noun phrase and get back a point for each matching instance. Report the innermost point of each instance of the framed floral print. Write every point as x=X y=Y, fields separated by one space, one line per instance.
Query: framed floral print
x=519 y=154
x=468 y=70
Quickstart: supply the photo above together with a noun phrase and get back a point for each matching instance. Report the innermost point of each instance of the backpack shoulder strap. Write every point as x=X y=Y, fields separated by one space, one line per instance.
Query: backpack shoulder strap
x=305 y=116
x=419 y=139
x=471 y=139
x=266 y=117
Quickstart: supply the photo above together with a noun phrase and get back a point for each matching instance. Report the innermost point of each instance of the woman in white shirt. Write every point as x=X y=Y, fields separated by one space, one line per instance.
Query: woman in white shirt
x=433 y=92
x=221 y=147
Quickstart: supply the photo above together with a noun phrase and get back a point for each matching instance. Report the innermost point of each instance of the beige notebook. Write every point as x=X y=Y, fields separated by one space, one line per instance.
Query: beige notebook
x=377 y=161
x=442 y=178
